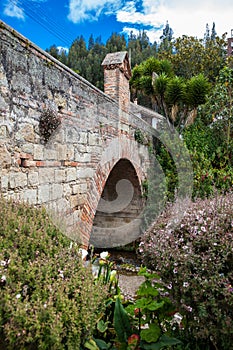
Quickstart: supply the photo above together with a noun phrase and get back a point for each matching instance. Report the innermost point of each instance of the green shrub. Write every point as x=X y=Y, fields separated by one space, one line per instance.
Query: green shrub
x=195 y=260
x=48 y=299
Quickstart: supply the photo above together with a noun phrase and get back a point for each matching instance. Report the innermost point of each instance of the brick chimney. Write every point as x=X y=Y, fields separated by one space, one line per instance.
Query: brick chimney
x=117 y=73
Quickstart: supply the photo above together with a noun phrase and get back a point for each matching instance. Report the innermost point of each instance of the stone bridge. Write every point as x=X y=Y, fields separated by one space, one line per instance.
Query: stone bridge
x=70 y=147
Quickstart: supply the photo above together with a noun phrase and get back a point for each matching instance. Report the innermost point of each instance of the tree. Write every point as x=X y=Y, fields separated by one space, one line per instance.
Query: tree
x=213 y=33
x=218 y=110
x=174 y=97
x=91 y=42
x=207 y=35
x=166 y=39
x=189 y=56
x=77 y=55
x=116 y=43
x=53 y=51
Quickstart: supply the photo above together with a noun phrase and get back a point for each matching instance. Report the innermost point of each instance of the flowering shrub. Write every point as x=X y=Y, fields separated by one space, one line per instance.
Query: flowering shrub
x=48 y=299
x=195 y=260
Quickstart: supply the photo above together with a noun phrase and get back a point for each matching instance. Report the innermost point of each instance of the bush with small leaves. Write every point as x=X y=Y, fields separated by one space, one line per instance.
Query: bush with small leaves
x=195 y=260
x=48 y=299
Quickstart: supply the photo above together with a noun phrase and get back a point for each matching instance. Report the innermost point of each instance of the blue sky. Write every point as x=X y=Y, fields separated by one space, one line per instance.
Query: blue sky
x=59 y=22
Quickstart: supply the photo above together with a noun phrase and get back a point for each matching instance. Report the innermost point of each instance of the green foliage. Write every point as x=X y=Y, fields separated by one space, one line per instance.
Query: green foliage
x=49 y=300
x=174 y=97
x=190 y=56
x=209 y=154
x=175 y=91
x=197 y=89
x=147 y=321
x=195 y=261
x=121 y=322
x=209 y=139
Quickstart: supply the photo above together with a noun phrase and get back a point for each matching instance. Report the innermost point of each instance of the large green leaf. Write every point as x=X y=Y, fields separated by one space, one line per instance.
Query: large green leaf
x=149 y=304
x=151 y=334
x=146 y=289
x=102 y=344
x=121 y=322
x=102 y=326
x=164 y=342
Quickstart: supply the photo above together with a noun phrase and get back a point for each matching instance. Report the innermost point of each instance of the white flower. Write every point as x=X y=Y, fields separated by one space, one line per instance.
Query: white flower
x=45 y=305
x=185 y=284
x=61 y=274
x=83 y=252
x=3 y=263
x=18 y=296
x=113 y=275
x=178 y=317
x=104 y=255
x=3 y=279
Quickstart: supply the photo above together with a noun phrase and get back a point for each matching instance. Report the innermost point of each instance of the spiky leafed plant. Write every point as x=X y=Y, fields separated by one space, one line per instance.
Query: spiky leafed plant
x=160 y=83
x=174 y=96
x=197 y=89
x=142 y=77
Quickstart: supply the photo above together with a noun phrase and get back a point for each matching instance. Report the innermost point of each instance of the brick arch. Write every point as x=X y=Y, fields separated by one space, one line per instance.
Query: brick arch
x=121 y=202
x=120 y=152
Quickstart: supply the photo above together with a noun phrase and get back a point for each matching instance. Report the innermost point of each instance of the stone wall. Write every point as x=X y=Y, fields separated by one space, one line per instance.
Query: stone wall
x=66 y=174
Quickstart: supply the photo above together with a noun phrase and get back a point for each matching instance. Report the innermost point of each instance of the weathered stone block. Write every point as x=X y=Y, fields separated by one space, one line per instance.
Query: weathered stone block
x=5 y=157
x=33 y=178
x=94 y=139
x=4 y=179
x=61 y=151
x=60 y=175
x=56 y=191
x=70 y=152
x=3 y=131
x=38 y=151
x=27 y=147
x=71 y=174
x=29 y=196
x=46 y=175
x=82 y=157
x=50 y=154
x=85 y=173
x=43 y=194
x=18 y=180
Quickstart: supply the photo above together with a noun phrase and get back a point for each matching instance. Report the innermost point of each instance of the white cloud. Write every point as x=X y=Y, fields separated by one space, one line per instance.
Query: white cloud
x=81 y=10
x=15 y=8
x=12 y=9
x=62 y=48
x=184 y=17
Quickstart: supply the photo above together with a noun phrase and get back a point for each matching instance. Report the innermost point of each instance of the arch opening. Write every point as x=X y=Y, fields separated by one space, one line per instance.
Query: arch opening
x=120 y=205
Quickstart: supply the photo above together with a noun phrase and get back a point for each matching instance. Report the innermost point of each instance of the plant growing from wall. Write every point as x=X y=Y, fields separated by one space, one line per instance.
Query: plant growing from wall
x=48 y=123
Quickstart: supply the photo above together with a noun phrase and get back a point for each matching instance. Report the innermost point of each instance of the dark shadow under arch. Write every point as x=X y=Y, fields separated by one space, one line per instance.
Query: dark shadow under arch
x=105 y=223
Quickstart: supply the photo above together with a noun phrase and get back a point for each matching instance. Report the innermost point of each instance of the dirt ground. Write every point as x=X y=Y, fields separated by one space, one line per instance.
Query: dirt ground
x=129 y=284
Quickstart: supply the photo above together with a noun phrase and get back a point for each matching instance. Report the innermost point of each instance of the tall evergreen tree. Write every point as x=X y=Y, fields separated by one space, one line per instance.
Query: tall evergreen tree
x=91 y=42
x=213 y=33
x=207 y=35
x=77 y=54
x=166 y=39
x=115 y=43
